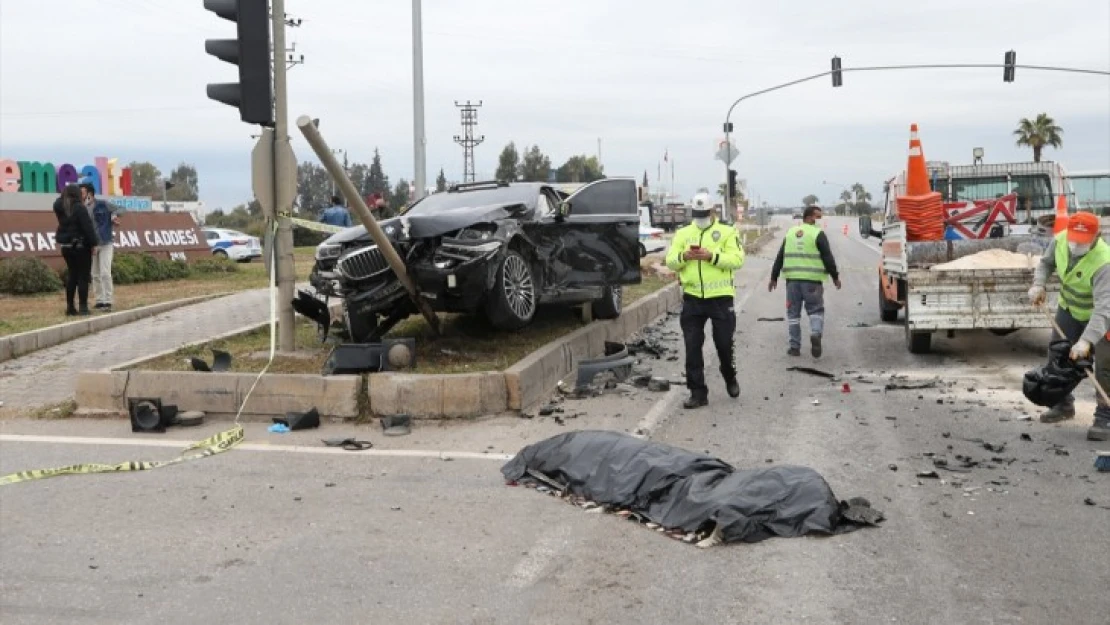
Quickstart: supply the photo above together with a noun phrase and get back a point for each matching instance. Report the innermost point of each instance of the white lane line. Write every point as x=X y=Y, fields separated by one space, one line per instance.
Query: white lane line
x=662 y=410
x=531 y=566
x=296 y=449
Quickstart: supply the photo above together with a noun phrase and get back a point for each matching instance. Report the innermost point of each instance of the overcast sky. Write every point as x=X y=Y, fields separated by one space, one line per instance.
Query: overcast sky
x=127 y=78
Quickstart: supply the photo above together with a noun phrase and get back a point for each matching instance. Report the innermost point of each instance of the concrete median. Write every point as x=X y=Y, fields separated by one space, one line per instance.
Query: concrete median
x=523 y=386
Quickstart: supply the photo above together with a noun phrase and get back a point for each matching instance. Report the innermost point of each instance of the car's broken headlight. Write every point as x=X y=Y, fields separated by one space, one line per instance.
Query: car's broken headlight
x=328 y=251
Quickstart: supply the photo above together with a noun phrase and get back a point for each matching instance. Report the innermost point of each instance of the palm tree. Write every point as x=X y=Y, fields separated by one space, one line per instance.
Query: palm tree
x=1038 y=133
x=846 y=198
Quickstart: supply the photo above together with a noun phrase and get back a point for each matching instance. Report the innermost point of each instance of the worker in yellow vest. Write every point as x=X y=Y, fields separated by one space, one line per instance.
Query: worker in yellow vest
x=1081 y=259
x=806 y=261
x=705 y=254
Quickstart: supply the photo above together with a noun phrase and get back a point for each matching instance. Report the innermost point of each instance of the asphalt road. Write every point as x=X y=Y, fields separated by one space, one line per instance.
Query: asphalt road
x=288 y=536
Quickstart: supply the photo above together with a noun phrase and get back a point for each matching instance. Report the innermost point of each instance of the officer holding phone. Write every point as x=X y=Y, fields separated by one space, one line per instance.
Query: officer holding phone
x=705 y=255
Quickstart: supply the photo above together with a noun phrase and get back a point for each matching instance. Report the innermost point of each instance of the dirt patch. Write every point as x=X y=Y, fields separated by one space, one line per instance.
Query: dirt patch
x=467 y=345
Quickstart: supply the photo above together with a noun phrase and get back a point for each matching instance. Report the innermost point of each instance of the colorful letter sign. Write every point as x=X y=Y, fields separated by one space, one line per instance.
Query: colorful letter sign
x=35 y=177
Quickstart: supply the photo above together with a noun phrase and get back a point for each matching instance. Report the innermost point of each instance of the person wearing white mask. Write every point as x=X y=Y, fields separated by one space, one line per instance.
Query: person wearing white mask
x=1081 y=259
x=706 y=255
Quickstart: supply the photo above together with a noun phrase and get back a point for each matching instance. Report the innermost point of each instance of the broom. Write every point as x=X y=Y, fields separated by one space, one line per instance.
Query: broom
x=1102 y=458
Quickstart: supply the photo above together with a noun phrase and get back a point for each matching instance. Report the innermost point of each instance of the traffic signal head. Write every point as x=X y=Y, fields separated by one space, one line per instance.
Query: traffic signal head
x=250 y=51
x=837 y=76
x=1008 y=68
x=732 y=183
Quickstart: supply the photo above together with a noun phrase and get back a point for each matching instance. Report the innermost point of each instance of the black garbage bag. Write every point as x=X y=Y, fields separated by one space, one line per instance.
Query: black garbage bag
x=680 y=489
x=1049 y=384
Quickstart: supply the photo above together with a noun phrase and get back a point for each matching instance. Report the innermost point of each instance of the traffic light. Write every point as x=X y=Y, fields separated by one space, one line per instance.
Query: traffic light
x=837 y=77
x=731 y=183
x=1008 y=66
x=250 y=50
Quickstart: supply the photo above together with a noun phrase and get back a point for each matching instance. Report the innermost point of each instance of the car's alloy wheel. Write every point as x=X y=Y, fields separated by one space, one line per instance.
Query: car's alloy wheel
x=518 y=286
x=220 y=253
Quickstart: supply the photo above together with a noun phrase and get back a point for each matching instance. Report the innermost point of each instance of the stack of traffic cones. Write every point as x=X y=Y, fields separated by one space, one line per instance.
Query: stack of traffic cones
x=921 y=208
x=1061 y=222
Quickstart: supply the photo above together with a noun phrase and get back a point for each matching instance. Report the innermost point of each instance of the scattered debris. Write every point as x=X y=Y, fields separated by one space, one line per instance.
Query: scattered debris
x=659 y=385
x=348 y=443
x=300 y=420
x=278 y=428
x=812 y=371
x=387 y=355
x=860 y=324
x=1027 y=438
x=901 y=383
x=845 y=388
x=221 y=361
x=1090 y=502
x=771 y=319
x=397 y=425
x=892 y=467
x=1102 y=461
x=616 y=360
x=931 y=475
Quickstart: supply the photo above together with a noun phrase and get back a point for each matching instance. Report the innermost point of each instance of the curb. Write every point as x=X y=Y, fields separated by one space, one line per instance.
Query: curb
x=525 y=385
x=24 y=343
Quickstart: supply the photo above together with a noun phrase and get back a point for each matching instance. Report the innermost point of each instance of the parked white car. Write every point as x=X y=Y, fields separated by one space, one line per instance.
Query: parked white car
x=651 y=240
x=233 y=244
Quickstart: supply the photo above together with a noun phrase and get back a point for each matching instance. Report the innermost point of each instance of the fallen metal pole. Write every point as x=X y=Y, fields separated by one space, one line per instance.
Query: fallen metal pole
x=355 y=201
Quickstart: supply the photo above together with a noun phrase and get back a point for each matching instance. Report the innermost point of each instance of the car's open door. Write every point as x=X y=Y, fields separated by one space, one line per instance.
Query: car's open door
x=600 y=234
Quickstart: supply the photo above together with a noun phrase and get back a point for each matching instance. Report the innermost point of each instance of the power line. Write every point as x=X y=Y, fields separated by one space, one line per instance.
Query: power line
x=469 y=114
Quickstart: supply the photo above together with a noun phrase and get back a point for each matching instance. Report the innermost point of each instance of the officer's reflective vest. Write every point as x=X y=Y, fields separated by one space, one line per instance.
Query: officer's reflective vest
x=801 y=258
x=1076 y=292
x=710 y=278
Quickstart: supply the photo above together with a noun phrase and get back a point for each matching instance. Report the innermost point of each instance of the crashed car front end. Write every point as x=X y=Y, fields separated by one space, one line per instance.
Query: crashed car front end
x=454 y=272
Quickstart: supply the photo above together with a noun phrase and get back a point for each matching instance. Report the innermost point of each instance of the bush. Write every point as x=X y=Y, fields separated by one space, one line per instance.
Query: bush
x=27 y=275
x=137 y=268
x=215 y=265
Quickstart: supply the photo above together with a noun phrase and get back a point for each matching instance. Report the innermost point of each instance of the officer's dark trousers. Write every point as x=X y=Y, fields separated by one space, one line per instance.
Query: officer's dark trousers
x=695 y=312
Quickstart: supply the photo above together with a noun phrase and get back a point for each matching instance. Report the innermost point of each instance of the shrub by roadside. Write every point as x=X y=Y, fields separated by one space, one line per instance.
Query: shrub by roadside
x=26 y=276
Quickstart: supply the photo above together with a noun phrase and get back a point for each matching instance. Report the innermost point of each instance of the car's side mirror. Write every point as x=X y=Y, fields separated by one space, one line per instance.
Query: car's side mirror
x=865 y=228
x=563 y=211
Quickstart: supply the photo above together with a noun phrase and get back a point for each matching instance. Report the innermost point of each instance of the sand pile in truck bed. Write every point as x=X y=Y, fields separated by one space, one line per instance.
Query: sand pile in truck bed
x=990 y=259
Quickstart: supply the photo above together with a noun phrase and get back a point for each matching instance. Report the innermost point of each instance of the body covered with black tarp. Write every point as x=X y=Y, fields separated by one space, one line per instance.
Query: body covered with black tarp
x=680 y=489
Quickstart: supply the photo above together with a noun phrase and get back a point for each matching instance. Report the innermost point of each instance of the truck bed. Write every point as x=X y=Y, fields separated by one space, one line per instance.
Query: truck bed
x=974 y=299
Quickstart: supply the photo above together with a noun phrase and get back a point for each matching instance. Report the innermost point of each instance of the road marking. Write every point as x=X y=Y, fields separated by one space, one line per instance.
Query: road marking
x=532 y=565
x=296 y=449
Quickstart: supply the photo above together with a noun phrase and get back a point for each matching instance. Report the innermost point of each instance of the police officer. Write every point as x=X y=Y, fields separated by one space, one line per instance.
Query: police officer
x=806 y=260
x=1081 y=259
x=705 y=254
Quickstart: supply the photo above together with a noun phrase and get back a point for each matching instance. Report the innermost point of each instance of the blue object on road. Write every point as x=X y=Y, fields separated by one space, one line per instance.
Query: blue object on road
x=279 y=428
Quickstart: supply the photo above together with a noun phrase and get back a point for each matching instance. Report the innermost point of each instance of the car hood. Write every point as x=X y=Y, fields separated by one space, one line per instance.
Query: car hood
x=423 y=226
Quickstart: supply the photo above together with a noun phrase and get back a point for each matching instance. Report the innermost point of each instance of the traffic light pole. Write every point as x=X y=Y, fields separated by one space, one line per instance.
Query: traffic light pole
x=1008 y=77
x=283 y=202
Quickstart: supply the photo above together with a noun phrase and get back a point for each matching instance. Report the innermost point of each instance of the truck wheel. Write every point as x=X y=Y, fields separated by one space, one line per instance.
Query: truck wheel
x=610 y=304
x=512 y=302
x=888 y=311
x=918 y=342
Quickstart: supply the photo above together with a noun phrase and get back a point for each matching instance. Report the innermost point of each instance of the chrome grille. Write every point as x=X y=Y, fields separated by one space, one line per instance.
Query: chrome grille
x=363 y=263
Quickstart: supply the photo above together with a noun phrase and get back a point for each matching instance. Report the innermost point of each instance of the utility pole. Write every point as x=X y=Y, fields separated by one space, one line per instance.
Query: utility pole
x=469 y=114
x=283 y=202
x=419 y=141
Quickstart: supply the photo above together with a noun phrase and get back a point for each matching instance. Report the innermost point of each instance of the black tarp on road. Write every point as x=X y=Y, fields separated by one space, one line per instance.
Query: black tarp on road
x=680 y=489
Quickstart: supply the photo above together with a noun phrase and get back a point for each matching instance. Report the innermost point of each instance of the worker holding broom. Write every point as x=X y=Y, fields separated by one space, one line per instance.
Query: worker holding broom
x=1081 y=259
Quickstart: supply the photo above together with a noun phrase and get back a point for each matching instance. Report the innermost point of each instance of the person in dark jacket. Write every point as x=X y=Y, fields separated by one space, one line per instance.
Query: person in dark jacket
x=77 y=237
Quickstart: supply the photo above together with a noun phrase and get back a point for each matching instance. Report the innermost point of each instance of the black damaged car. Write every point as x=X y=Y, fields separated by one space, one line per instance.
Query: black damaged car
x=493 y=248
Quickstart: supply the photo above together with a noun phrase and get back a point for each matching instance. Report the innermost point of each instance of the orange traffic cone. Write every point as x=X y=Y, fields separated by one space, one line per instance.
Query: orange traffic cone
x=1061 y=222
x=921 y=208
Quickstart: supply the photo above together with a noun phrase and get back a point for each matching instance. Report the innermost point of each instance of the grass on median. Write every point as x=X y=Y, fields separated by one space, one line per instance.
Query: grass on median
x=467 y=343
x=23 y=313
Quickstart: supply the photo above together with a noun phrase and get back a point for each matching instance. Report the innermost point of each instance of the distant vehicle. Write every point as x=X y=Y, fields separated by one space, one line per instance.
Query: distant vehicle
x=232 y=244
x=797 y=215
x=496 y=248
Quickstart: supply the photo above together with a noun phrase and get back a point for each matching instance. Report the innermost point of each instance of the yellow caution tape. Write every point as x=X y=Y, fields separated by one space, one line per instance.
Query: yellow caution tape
x=208 y=447
x=315 y=225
